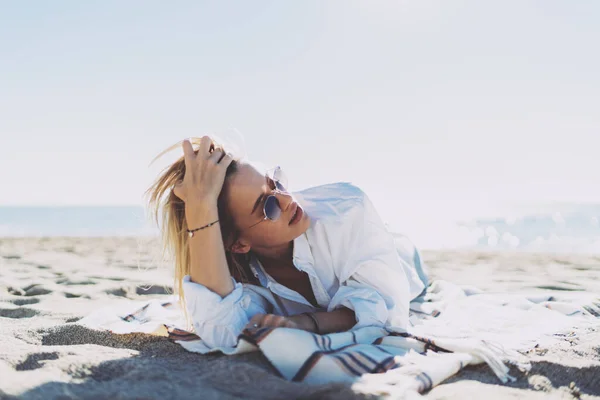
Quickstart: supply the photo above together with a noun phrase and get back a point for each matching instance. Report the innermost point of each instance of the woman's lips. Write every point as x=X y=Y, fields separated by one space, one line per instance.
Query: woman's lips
x=298 y=215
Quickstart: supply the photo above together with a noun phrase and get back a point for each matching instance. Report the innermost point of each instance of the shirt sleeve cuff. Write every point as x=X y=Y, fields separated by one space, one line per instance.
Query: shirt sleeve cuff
x=217 y=320
x=206 y=305
x=368 y=305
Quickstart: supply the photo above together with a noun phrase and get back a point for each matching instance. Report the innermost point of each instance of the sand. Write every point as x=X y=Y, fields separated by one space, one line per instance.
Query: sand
x=47 y=284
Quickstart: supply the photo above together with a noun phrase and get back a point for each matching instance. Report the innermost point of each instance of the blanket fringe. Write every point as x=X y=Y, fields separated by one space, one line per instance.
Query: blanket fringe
x=493 y=354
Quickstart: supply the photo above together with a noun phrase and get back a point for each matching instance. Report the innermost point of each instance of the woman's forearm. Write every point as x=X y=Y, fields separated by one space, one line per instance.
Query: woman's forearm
x=339 y=320
x=208 y=264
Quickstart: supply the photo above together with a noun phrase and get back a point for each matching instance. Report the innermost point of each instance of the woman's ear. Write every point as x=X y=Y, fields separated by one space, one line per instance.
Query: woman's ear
x=240 y=247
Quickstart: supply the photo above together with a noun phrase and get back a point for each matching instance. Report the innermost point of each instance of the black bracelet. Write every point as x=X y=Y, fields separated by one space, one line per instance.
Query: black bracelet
x=191 y=231
x=314 y=320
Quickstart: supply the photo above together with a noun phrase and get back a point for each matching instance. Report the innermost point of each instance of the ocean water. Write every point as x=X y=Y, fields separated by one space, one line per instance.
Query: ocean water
x=74 y=221
x=558 y=228
x=562 y=228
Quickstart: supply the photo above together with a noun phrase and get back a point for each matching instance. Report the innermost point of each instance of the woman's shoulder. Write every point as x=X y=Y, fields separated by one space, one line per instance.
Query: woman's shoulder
x=331 y=200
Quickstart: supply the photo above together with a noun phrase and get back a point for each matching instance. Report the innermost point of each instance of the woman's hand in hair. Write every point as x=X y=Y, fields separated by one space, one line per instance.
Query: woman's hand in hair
x=204 y=173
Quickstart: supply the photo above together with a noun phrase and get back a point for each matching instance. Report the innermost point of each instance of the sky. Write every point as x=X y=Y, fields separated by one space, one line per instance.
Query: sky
x=432 y=107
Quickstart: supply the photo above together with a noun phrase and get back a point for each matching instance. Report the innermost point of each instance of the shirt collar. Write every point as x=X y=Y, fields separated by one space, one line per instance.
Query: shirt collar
x=303 y=257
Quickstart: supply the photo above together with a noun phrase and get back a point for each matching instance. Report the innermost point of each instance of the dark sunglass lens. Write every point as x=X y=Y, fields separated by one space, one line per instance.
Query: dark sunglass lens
x=272 y=210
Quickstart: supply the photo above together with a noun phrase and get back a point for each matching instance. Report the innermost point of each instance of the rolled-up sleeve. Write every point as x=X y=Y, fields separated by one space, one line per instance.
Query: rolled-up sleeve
x=374 y=280
x=369 y=307
x=219 y=320
x=390 y=283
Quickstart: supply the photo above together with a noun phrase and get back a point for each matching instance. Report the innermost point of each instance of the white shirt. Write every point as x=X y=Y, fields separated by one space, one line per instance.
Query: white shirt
x=351 y=259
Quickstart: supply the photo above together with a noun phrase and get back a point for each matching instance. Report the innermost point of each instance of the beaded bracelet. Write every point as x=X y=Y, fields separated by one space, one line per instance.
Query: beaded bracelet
x=191 y=231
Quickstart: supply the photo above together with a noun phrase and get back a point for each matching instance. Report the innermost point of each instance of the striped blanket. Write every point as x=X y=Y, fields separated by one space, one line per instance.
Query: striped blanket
x=451 y=327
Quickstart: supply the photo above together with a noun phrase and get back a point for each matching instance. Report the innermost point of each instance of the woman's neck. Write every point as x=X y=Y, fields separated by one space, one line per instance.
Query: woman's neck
x=276 y=258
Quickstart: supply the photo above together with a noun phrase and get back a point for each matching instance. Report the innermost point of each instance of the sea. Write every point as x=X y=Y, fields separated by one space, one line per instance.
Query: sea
x=554 y=228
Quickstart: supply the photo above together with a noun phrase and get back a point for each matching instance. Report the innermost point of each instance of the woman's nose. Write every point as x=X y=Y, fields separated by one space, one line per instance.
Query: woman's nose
x=284 y=199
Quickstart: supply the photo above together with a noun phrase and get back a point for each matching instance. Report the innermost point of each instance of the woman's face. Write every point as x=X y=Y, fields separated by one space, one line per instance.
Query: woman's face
x=248 y=191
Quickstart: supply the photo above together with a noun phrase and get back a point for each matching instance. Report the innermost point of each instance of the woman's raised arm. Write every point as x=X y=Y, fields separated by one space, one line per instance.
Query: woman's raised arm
x=199 y=190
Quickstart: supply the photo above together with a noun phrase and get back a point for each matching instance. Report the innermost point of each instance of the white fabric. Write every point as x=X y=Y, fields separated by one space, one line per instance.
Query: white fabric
x=476 y=328
x=513 y=321
x=351 y=260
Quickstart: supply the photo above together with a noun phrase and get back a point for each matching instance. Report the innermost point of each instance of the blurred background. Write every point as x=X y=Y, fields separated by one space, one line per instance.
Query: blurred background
x=469 y=124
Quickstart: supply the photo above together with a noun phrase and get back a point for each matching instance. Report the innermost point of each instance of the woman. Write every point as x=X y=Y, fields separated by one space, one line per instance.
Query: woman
x=249 y=254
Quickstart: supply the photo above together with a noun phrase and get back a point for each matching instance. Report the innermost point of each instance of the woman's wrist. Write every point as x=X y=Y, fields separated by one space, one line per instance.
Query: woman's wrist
x=200 y=214
x=305 y=322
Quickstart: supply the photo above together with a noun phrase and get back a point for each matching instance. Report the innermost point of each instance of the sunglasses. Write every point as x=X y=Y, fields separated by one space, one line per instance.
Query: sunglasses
x=271 y=208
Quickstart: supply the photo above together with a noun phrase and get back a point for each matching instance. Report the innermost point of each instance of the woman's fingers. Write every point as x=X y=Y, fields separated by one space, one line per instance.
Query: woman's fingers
x=189 y=158
x=205 y=171
x=275 y=320
x=263 y=320
x=205 y=146
x=226 y=160
x=188 y=153
x=255 y=322
x=217 y=154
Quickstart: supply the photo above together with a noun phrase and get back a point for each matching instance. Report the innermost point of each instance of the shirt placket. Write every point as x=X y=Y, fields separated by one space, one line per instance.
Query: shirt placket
x=278 y=289
x=318 y=289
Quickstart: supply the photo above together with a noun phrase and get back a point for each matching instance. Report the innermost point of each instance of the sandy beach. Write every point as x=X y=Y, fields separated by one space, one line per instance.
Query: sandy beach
x=48 y=284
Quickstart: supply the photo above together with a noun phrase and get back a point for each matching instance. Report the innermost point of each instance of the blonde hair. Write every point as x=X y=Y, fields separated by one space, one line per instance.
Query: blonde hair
x=168 y=212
